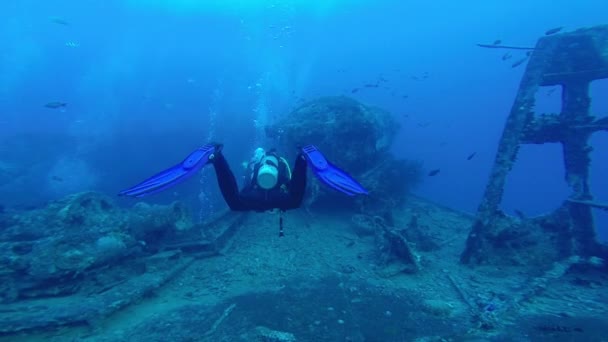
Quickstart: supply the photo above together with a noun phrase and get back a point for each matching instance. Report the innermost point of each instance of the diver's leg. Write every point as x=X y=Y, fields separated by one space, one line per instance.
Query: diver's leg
x=227 y=182
x=297 y=184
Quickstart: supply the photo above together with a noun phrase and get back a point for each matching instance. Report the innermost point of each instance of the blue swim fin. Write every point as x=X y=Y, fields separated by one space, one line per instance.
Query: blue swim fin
x=173 y=175
x=330 y=174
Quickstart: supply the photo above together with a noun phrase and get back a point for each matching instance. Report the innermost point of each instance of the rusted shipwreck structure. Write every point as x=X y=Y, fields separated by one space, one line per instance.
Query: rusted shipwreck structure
x=570 y=60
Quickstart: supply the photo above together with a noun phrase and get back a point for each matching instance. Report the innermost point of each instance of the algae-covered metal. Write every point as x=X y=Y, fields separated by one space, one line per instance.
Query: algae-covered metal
x=570 y=60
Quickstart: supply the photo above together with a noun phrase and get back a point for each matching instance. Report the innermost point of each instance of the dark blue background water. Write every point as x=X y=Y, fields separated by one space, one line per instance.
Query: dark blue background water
x=148 y=81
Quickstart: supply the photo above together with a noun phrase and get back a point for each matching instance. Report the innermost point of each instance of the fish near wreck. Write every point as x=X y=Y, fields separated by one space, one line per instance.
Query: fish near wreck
x=553 y=31
x=59 y=21
x=55 y=105
x=433 y=172
x=518 y=62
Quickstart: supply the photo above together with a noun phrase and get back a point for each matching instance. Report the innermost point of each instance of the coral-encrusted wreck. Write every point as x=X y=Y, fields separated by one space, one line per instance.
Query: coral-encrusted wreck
x=572 y=61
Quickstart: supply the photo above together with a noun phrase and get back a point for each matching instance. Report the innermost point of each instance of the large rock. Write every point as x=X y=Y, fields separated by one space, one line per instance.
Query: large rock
x=355 y=135
x=357 y=138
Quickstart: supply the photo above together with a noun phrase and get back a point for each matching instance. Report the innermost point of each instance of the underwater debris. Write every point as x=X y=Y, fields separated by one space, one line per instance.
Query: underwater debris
x=538 y=285
x=62 y=254
x=395 y=251
x=269 y=335
x=84 y=246
x=221 y=319
x=462 y=295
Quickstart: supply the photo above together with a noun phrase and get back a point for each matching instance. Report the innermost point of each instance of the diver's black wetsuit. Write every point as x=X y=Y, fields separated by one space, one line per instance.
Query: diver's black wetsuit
x=287 y=194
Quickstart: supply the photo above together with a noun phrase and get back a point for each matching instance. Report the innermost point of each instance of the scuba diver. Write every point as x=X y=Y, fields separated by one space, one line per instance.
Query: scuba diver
x=271 y=184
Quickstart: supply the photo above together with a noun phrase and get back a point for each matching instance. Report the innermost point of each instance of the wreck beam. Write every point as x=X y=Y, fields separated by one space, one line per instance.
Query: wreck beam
x=603 y=206
x=575 y=111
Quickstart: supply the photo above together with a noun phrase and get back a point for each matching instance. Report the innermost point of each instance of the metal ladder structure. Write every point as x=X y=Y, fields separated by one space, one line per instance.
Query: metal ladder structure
x=570 y=60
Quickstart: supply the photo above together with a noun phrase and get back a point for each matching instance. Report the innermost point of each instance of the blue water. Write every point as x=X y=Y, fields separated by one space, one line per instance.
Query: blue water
x=148 y=81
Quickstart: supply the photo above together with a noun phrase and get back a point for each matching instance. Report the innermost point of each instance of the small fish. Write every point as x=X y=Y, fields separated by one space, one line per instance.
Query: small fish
x=404 y=96
x=55 y=105
x=354 y=90
x=519 y=214
x=553 y=31
x=518 y=62
x=59 y=21
x=371 y=85
x=471 y=155
x=72 y=44
x=497 y=41
x=490 y=307
x=57 y=179
x=1 y=209
x=434 y=172
x=529 y=53
x=507 y=56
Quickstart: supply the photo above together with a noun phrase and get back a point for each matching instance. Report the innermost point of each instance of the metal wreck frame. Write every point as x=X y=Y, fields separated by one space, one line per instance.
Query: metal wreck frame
x=570 y=60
